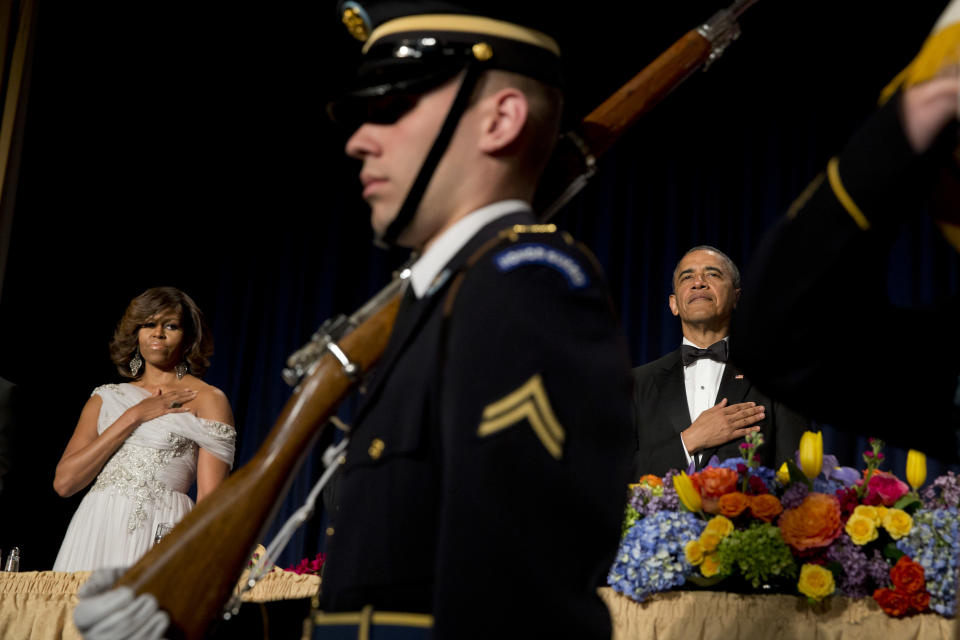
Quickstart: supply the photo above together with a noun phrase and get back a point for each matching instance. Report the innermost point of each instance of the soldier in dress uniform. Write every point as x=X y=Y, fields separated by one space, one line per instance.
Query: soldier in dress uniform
x=484 y=482
x=815 y=322
x=483 y=488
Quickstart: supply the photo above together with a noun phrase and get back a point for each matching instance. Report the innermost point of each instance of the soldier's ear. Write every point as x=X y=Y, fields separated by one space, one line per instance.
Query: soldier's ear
x=503 y=116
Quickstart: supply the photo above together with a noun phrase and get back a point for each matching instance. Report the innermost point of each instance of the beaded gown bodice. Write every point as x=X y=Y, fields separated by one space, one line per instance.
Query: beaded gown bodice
x=160 y=455
x=144 y=484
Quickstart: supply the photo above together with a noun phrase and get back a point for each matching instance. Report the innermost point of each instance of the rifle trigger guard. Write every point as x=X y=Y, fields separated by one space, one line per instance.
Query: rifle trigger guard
x=350 y=369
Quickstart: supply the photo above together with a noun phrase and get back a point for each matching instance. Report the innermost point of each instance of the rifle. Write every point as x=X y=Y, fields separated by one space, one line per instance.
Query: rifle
x=180 y=572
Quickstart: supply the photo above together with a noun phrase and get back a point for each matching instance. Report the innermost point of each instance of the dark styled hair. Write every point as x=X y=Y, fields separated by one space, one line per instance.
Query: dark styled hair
x=197 y=339
x=731 y=266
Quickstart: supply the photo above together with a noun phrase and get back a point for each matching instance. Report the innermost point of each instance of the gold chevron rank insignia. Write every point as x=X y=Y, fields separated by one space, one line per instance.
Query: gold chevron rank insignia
x=530 y=402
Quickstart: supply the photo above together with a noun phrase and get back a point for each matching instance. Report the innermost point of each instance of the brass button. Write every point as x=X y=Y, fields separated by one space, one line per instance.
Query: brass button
x=329 y=531
x=376 y=448
x=482 y=51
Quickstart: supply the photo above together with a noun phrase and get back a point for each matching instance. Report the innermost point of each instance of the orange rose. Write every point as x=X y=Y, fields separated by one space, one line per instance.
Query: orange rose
x=713 y=482
x=733 y=504
x=815 y=523
x=765 y=507
x=920 y=600
x=908 y=576
x=893 y=602
x=651 y=480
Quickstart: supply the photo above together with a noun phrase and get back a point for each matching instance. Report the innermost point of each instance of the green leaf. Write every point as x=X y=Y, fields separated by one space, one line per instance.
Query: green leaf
x=796 y=475
x=908 y=503
x=890 y=551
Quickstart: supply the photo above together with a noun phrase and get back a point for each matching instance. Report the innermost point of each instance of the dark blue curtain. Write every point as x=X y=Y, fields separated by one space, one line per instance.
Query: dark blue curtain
x=205 y=162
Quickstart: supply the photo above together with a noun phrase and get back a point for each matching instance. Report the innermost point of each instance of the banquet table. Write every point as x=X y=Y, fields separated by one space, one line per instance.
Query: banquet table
x=709 y=615
x=37 y=606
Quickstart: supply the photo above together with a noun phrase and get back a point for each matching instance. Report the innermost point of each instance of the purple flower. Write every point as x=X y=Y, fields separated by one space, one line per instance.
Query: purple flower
x=861 y=575
x=944 y=492
x=794 y=495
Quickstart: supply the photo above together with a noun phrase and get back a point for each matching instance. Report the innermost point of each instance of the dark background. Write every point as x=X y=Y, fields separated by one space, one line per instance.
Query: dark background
x=186 y=146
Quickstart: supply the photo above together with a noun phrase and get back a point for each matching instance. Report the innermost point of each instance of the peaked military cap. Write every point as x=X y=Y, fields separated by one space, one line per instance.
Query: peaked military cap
x=412 y=47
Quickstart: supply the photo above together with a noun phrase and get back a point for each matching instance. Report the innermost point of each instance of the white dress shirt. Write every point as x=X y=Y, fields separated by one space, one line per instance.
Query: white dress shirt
x=702 y=381
x=448 y=243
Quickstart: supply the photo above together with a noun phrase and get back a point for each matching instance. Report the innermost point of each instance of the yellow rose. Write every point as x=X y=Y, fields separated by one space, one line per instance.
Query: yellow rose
x=861 y=529
x=710 y=566
x=881 y=514
x=720 y=525
x=709 y=540
x=867 y=511
x=815 y=582
x=783 y=474
x=897 y=523
x=694 y=551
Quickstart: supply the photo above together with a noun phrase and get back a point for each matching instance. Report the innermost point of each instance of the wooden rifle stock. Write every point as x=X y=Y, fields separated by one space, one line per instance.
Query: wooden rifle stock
x=194 y=570
x=574 y=160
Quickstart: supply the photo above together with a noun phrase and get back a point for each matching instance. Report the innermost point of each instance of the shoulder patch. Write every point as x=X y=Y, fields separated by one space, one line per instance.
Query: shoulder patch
x=542 y=254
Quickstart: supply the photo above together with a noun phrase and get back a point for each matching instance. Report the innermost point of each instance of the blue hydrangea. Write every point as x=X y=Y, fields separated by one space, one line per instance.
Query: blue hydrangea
x=933 y=542
x=827 y=486
x=651 y=558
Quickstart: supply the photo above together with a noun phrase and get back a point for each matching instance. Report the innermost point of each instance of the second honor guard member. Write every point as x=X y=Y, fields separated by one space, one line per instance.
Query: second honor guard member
x=484 y=482
x=816 y=321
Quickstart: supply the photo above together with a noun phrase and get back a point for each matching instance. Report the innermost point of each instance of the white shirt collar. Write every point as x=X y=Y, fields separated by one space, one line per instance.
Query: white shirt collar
x=448 y=243
x=685 y=341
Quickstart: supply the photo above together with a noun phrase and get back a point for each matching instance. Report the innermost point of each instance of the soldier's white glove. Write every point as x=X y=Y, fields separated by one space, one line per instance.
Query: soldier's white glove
x=116 y=614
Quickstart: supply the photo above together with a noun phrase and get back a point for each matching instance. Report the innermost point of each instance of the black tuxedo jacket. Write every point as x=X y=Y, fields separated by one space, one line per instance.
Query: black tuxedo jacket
x=661 y=413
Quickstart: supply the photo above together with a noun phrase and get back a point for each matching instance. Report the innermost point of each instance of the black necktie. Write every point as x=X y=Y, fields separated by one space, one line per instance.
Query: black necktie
x=717 y=351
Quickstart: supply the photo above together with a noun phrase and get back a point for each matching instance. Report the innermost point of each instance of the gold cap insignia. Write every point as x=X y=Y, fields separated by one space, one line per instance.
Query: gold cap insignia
x=355 y=19
x=482 y=51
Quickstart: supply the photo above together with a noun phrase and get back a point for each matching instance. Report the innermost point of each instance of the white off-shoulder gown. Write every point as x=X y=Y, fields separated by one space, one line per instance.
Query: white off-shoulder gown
x=142 y=485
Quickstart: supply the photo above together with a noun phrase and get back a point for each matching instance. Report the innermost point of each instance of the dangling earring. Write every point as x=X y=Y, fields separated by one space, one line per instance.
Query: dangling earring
x=182 y=369
x=135 y=363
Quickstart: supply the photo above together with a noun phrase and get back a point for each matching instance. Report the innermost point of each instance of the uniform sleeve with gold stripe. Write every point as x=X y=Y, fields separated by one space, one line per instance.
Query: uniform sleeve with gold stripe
x=815 y=327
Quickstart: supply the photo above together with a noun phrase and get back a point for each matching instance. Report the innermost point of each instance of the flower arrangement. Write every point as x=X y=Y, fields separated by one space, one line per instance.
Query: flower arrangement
x=810 y=528
x=308 y=566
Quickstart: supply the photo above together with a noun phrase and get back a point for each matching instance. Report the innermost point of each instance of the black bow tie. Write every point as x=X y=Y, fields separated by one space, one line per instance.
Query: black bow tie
x=717 y=351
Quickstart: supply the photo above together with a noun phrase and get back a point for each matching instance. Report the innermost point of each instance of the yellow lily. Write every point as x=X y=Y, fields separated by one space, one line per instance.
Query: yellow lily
x=687 y=493
x=916 y=468
x=811 y=454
